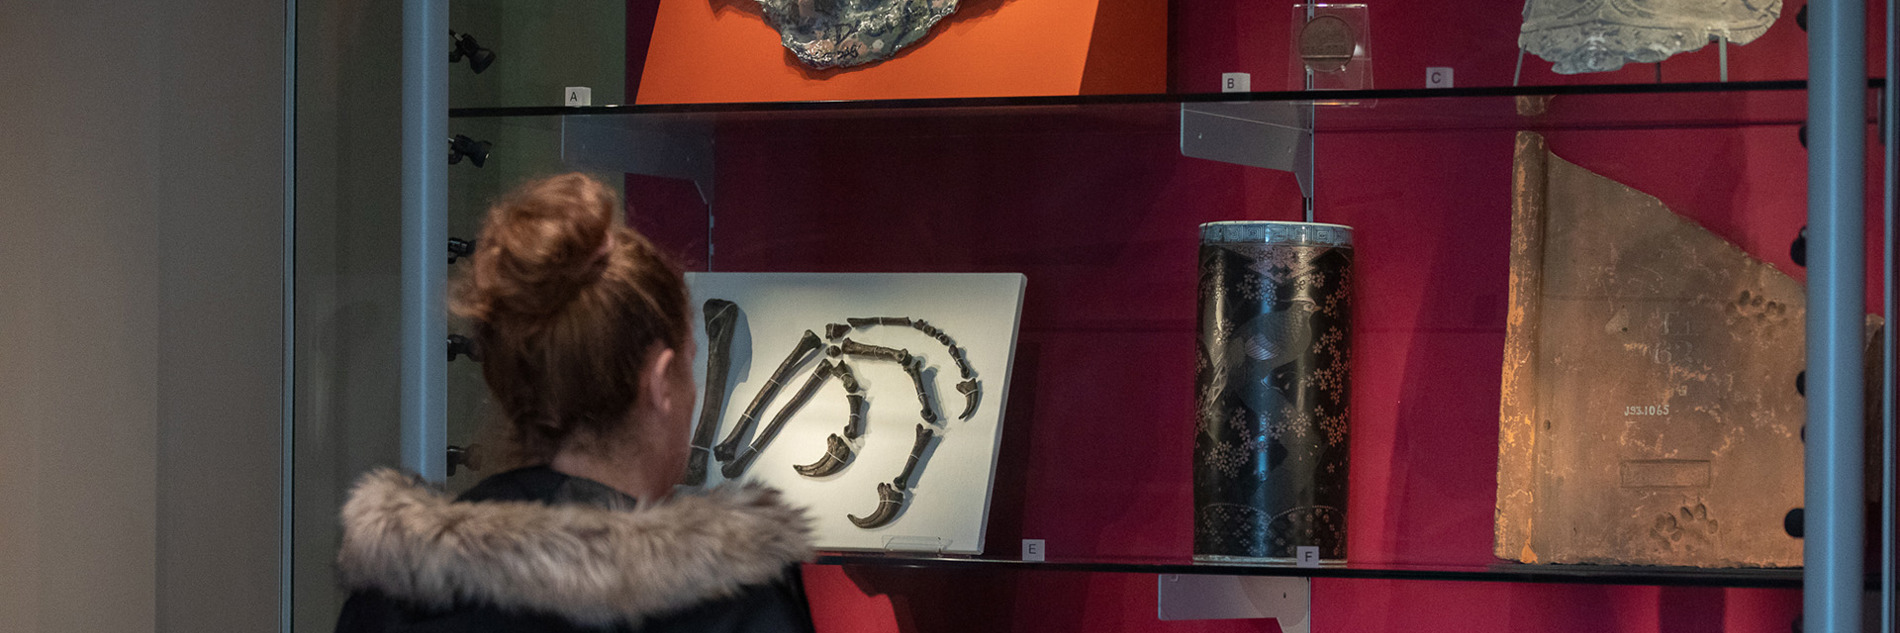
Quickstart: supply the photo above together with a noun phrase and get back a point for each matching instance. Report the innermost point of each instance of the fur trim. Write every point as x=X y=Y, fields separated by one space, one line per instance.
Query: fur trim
x=587 y=564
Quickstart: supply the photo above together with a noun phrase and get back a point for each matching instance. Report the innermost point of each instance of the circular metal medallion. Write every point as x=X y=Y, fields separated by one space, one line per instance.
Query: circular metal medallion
x=1326 y=44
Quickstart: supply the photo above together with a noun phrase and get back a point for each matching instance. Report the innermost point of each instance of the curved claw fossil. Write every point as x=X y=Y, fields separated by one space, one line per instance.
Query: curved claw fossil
x=892 y=495
x=890 y=501
x=972 y=391
x=838 y=454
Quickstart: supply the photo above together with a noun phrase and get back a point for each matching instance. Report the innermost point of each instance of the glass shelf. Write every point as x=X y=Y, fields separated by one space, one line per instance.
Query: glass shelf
x=1607 y=106
x=1499 y=572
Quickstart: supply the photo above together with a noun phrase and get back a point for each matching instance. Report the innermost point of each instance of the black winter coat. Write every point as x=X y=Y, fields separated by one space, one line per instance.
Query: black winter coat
x=535 y=550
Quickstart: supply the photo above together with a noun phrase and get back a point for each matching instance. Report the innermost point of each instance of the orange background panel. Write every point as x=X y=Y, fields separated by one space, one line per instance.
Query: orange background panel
x=715 y=51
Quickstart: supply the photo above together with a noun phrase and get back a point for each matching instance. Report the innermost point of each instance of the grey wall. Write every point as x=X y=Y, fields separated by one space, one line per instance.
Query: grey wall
x=141 y=315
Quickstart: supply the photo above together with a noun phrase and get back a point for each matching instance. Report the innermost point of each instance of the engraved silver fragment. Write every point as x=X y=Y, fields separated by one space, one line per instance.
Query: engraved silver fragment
x=1584 y=36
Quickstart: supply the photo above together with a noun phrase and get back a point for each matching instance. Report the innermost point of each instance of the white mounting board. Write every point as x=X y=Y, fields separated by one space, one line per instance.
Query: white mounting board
x=950 y=497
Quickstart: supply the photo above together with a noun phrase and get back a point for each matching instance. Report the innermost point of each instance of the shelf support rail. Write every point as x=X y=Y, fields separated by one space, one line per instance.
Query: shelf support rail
x=1890 y=136
x=425 y=176
x=1833 y=572
x=1287 y=600
x=1266 y=134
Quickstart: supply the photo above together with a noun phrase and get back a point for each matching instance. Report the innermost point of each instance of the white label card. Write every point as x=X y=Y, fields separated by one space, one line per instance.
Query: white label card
x=1032 y=550
x=1236 y=82
x=1307 y=555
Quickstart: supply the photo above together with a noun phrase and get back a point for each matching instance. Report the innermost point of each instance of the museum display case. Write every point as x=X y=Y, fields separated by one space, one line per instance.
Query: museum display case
x=1096 y=200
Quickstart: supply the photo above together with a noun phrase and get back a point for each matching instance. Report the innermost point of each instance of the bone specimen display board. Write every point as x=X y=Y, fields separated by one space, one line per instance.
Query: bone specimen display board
x=875 y=400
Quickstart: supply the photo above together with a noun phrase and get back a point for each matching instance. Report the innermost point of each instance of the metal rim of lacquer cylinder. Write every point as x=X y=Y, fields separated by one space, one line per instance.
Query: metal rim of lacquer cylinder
x=1276 y=232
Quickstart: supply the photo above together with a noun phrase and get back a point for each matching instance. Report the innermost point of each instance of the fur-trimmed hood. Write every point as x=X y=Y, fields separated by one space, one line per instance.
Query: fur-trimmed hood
x=588 y=564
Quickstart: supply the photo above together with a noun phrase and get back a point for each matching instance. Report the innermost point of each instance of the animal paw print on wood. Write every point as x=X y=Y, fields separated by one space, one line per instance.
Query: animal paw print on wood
x=1758 y=308
x=1688 y=527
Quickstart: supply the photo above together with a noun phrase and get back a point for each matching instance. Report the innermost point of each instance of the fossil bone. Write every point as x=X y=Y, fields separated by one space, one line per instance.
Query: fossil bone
x=972 y=391
x=892 y=496
x=963 y=364
x=915 y=369
x=899 y=356
x=838 y=454
x=721 y=318
x=738 y=466
x=728 y=448
x=845 y=376
x=836 y=331
x=925 y=327
x=838 y=450
x=890 y=500
x=865 y=322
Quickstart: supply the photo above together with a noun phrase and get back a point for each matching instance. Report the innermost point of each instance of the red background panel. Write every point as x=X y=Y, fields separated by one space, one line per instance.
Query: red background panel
x=1099 y=209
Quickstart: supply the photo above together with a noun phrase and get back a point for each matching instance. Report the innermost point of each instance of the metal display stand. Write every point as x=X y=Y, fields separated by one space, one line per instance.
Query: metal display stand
x=1267 y=135
x=1288 y=601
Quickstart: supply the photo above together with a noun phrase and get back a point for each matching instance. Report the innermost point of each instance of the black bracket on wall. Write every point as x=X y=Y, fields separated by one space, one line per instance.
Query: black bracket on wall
x=460 y=248
x=464 y=346
x=464 y=147
x=465 y=46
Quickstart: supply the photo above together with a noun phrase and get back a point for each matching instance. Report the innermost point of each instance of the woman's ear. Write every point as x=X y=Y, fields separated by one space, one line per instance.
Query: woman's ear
x=655 y=380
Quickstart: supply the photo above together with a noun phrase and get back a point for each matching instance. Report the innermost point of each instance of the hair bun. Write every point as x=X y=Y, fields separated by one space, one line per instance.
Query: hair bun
x=541 y=246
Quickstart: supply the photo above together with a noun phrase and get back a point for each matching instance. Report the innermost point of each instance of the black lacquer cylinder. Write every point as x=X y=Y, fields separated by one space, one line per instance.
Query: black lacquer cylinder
x=1273 y=407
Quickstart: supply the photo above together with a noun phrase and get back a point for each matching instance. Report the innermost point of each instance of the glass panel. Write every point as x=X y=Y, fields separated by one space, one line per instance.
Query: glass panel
x=1503 y=572
x=1550 y=107
x=539 y=49
x=348 y=249
x=1092 y=199
x=518 y=149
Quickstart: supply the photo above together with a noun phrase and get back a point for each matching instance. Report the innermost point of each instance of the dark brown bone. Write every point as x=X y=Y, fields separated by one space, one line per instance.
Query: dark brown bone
x=915 y=370
x=836 y=331
x=838 y=454
x=849 y=379
x=738 y=466
x=864 y=322
x=838 y=451
x=854 y=425
x=963 y=364
x=889 y=502
x=721 y=317
x=926 y=328
x=729 y=448
x=924 y=435
x=891 y=497
x=879 y=352
x=972 y=391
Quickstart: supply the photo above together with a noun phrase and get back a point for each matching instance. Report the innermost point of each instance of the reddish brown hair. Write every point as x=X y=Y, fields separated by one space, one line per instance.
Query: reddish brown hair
x=567 y=307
